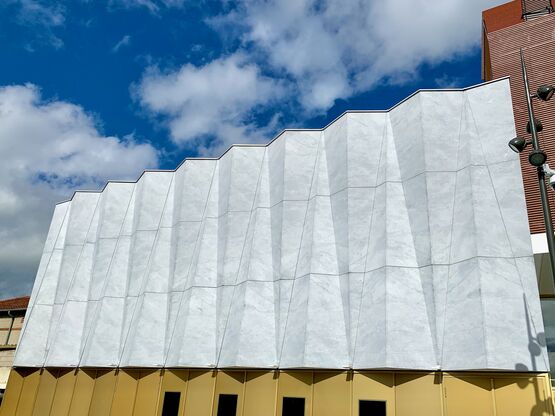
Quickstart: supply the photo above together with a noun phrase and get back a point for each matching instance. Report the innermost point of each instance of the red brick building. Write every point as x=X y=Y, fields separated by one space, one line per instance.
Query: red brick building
x=528 y=25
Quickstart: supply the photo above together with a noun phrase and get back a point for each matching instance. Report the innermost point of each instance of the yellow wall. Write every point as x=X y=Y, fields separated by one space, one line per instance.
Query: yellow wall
x=137 y=392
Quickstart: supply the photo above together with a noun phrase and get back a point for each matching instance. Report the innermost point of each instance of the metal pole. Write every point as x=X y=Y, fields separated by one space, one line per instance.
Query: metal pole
x=541 y=174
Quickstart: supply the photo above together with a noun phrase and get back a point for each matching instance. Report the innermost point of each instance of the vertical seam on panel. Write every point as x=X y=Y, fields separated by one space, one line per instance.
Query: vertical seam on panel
x=394 y=394
x=75 y=374
x=320 y=139
x=180 y=412
x=463 y=106
x=66 y=300
x=215 y=374
x=434 y=335
x=92 y=392
x=85 y=340
x=492 y=384
x=35 y=300
x=115 y=389
x=18 y=394
x=312 y=395
x=528 y=311
x=548 y=392
x=252 y=217
x=276 y=396
x=145 y=275
x=136 y=391
x=202 y=224
x=244 y=395
x=384 y=137
x=54 y=393
x=441 y=392
x=351 y=398
x=36 y=390
x=161 y=375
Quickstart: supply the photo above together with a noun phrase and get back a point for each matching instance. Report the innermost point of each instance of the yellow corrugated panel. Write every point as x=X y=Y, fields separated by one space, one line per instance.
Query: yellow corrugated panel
x=13 y=391
x=229 y=382
x=520 y=396
x=260 y=393
x=374 y=386
x=200 y=390
x=124 y=394
x=103 y=393
x=174 y=381
x=417 y=394
x=82 y=395
x=295 y=384
x=146 y=401
x=464 y=396
x=332 y=394
x=64 y=391
x=45 y=392
x=28 y=393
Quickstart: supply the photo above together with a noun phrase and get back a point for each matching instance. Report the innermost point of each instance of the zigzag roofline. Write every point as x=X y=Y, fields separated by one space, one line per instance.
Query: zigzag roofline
x=415 y=93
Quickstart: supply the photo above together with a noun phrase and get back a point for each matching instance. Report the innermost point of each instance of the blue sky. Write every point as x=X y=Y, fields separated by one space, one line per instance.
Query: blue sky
x=98 y=90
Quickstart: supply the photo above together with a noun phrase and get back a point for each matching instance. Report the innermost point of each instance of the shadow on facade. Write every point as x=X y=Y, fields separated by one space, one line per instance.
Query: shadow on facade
x=535 y=346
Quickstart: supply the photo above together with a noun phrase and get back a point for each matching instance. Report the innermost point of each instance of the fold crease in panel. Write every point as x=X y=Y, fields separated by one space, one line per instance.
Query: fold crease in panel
x=388 y=239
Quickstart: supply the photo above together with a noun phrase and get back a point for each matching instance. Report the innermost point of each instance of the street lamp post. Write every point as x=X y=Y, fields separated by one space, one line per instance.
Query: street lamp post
x=537 y=157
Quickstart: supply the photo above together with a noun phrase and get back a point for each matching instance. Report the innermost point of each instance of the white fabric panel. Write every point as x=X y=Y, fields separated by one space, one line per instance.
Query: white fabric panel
x=394 y=239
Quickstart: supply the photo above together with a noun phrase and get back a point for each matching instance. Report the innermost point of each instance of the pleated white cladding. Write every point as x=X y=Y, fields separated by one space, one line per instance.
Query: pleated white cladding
x=395 y=239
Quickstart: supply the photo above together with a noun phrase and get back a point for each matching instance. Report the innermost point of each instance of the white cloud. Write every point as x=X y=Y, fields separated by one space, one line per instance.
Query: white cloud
x=336 y=48
x=48 y=150
x=41 y=13
x=448 y=81
x=43 y=17
x=216 y=100
x=316 y=52
x=124 y=41
x=153 y=6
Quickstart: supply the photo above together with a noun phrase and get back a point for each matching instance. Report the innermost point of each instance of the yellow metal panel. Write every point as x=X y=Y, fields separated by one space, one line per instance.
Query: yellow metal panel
x=374 y=386
x=417 y=394
x=13 y=390
x=124 y=395
x=517 y=396
x=28 y=394
x=103 y=393
x=45 y=393
x=295 y=384
x=229 y=382
x=546 y=379
x=82 y=395
x=176 y=381
x=200 y=390
x=332 y=394
x=64 y=392
x=146 y=401
x=260 y=393
x=464 y=396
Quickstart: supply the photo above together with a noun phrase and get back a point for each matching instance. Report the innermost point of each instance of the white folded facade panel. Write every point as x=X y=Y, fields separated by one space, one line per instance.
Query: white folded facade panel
x=395 y=239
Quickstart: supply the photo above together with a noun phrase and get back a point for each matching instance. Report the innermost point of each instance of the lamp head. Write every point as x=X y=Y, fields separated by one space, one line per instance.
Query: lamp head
x=545 y=92
x=518 y=144
x=537 y=158
x=539 y=126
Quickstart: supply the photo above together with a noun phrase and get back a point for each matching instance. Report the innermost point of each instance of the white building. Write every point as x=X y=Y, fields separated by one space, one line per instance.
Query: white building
x=389 y=241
